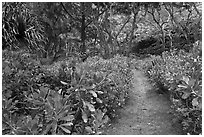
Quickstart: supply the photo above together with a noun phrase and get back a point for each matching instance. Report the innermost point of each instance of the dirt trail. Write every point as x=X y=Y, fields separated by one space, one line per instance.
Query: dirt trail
x=146 y=112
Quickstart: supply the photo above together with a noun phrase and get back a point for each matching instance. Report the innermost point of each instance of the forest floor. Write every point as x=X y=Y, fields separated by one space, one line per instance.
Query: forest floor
x=146 y=113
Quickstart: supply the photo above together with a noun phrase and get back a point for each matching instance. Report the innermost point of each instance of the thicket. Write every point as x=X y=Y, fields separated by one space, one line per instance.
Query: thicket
x=179 y=74
x=75 y=99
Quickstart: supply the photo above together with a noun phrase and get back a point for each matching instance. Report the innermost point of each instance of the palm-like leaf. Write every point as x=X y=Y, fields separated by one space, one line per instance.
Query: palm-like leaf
x=21 y=26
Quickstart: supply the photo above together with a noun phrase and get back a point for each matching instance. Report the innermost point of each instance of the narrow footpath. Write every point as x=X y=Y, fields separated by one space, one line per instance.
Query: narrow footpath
x=146 y=112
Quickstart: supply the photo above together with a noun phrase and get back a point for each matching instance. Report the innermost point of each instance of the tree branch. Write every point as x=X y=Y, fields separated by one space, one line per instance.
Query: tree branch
x=153 y=16
x=196 y=9
x=67 y=12
x=122 y=27
x=174 y=20
x=96 y=17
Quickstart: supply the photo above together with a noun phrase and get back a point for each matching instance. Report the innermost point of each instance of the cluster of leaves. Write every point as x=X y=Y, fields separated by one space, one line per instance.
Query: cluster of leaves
x=21 y=25
x=142 y=62
x=79 y=99
x=181 y=73
x=118 y=73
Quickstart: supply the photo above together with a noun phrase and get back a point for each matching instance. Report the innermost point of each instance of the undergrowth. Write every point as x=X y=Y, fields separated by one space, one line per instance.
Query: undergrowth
x=64 y=98
x=181 y=74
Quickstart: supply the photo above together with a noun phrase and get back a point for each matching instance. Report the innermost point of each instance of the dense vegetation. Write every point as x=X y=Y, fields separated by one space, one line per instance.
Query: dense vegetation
x=67 y=67
x=74 y=99
x=180 y=75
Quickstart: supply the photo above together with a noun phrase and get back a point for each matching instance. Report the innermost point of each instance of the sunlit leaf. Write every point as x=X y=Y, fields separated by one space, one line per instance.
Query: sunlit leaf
x=90 y=106
x=186 y=95
x=93 y=6
x=88 y=129
x=84 y=116
x=64 y=83
x=93 y=93
x=195 y=102
x=182 y=86
x=186 y=79
x=67 y=124
x=99 y=100
x=68 y=118
x=65 y=129
x=100 y=92
x=60 y=91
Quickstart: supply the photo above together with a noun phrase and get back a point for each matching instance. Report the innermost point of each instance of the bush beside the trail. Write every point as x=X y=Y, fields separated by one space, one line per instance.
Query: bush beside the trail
x=181 y=73
x=66 y=98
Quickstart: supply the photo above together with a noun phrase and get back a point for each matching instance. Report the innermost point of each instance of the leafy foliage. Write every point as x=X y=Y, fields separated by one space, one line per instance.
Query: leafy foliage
x=21 y=26
x=181 y=74
x=41 y=96
x=79 y=99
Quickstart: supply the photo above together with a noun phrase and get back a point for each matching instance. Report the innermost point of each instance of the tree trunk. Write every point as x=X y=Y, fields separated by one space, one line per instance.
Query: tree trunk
x=83 y=27
x=133 y=26
x=103 y=43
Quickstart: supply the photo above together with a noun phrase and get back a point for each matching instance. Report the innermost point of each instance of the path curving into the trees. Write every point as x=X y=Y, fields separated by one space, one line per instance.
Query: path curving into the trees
x=146 y=112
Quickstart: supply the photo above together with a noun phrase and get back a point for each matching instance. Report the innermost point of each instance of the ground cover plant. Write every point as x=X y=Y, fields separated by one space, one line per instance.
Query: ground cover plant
x=180 y=73
x=79 y=99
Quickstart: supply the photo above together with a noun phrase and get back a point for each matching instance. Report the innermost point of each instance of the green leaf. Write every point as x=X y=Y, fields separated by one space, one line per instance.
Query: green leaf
x=37 y=102
x=57 y=99
x=199 y=103
x=99 y=100
x=99 y=92
x=65 y=129
x=192 y=82
x=48 y=127
x=67 y=124
x=68 y=118
x=20 y=132
x=195 y=102
x=60 y=91
x=43 y=91
x=185 y=95
x=63 y=113
x=105 y=119
x=50 y=102
x=182 y=86
x=64 y=83
x=84 y=116
x=99 y=115
x=88 y=129
x=7 y=70
x=186 y=79
x=90 y=106
x=93 y=93
x=34 y=127
x=54 y=127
